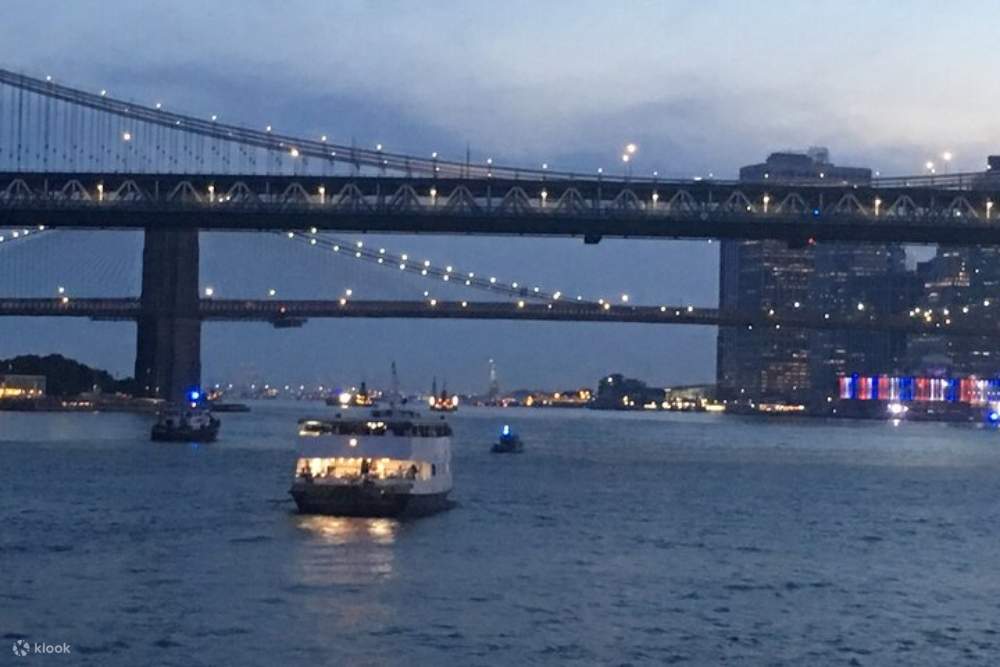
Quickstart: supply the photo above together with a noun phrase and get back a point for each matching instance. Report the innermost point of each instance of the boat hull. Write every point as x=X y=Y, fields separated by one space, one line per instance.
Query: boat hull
x=164 y=434
x=365 y=501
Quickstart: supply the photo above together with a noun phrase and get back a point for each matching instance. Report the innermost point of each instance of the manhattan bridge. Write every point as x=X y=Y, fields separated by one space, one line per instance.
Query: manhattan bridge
x=73 y=161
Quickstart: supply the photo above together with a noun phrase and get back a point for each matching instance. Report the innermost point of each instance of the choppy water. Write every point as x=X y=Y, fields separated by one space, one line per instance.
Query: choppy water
x=615 y=539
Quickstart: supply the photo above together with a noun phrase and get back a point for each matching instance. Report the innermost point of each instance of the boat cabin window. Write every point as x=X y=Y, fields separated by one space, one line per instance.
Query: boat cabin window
x=358 y=469
x=375 y=427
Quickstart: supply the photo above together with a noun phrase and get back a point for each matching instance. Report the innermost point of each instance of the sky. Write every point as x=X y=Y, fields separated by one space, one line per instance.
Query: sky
x=701 y=87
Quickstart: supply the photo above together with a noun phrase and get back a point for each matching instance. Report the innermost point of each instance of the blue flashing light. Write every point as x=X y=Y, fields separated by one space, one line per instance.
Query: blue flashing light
x=815 y=212
x=194 y=395
x=993 y=417
x=505 y=430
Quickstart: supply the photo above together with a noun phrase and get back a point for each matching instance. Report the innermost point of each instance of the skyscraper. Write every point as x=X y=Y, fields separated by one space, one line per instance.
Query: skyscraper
x=794 y=365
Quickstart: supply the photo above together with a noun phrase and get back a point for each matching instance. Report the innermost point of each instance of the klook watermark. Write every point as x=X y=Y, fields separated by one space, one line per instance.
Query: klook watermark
x=23 y=648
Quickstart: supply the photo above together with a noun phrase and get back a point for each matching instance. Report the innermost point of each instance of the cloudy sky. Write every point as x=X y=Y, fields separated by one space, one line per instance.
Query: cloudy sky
x=700 y=87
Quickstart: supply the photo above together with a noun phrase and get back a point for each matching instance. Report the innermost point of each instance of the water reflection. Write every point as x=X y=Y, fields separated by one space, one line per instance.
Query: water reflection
x=350 y=530
x=345 y=550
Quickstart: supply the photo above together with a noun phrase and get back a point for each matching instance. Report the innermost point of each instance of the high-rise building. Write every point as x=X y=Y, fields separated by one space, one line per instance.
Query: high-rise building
x=794 y=365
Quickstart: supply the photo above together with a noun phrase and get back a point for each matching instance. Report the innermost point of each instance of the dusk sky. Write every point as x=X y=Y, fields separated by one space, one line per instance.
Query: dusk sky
x=700 y=87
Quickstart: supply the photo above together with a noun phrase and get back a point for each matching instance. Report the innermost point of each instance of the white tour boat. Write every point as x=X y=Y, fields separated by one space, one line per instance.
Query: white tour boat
x=383 y=460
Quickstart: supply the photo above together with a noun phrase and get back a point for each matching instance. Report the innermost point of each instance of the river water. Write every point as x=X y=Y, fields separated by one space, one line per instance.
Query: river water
x=614 y=539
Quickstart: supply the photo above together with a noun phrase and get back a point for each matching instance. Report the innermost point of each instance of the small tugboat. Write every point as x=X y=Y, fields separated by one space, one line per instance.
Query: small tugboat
x=190 y=422
x=386 y=461
x=442 y=402
x=509 y=442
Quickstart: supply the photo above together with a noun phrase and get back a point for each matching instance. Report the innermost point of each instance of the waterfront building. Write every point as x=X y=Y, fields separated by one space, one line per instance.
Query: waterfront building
x=617 y=392
x=795 y=366
x=22 y=386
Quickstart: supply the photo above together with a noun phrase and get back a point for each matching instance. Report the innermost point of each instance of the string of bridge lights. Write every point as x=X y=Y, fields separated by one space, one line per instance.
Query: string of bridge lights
x=448 y=273
x=10 y=236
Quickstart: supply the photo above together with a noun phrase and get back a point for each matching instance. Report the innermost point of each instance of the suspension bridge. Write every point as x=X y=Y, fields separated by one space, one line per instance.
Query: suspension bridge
x=78 y=160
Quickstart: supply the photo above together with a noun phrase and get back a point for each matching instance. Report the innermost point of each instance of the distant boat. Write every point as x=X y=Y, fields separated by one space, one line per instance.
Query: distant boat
x=188 y=422
x=509 y=442
x=361 y=398
x=442 y=402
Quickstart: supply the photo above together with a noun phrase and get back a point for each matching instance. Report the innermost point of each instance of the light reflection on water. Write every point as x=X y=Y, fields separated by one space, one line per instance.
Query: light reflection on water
x=345 y=550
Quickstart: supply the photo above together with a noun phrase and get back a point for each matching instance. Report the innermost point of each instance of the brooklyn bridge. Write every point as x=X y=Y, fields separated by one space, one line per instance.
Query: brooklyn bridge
x=78 y=160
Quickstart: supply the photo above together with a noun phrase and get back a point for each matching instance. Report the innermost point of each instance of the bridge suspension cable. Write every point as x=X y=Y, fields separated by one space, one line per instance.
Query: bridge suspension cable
x=46 y=137
x=426 y=269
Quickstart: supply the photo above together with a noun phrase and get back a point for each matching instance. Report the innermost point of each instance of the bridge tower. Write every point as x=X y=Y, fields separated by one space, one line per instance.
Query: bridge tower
x=168 y=342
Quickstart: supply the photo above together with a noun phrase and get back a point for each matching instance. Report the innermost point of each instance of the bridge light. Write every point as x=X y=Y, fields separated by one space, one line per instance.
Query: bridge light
x=402 y=267
x=946 y=156
x=272 y=292
x=489 y=160
x=336 y=248
x=312 y=241
x=545 y=196
x=493 y=280
x=929 y=165
x=61 y=290
x=878 y=205
x=514 y=285
x=624 y=298
x=434 y=302
x=986 y=303
x=100 y=192
x=656 y=198
x=434 y=193
x=209 y=291
x=343 y=301
x=159 y=105
x=323 y=138
x=267 y=129
x=607 y=306
x=555 y=297
x=378 y=147
x=625 y=157
x=126 y=136
x=64 y=300
x=545 y=165
x=423 y=272
x=360 y=244
x=211 y=193
x=861 y=306
x=690 y=309
x=104 y=93
x=520 y=304
x=434 y=155
x=663 y=309
x=796 y=304
x=348 y=291
x=465 y=304
x=989 y=207
x=322 y=193
x=767 y=200
x=600 y=170
x=631 y=149
x=215 y=117
x=294 y=152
